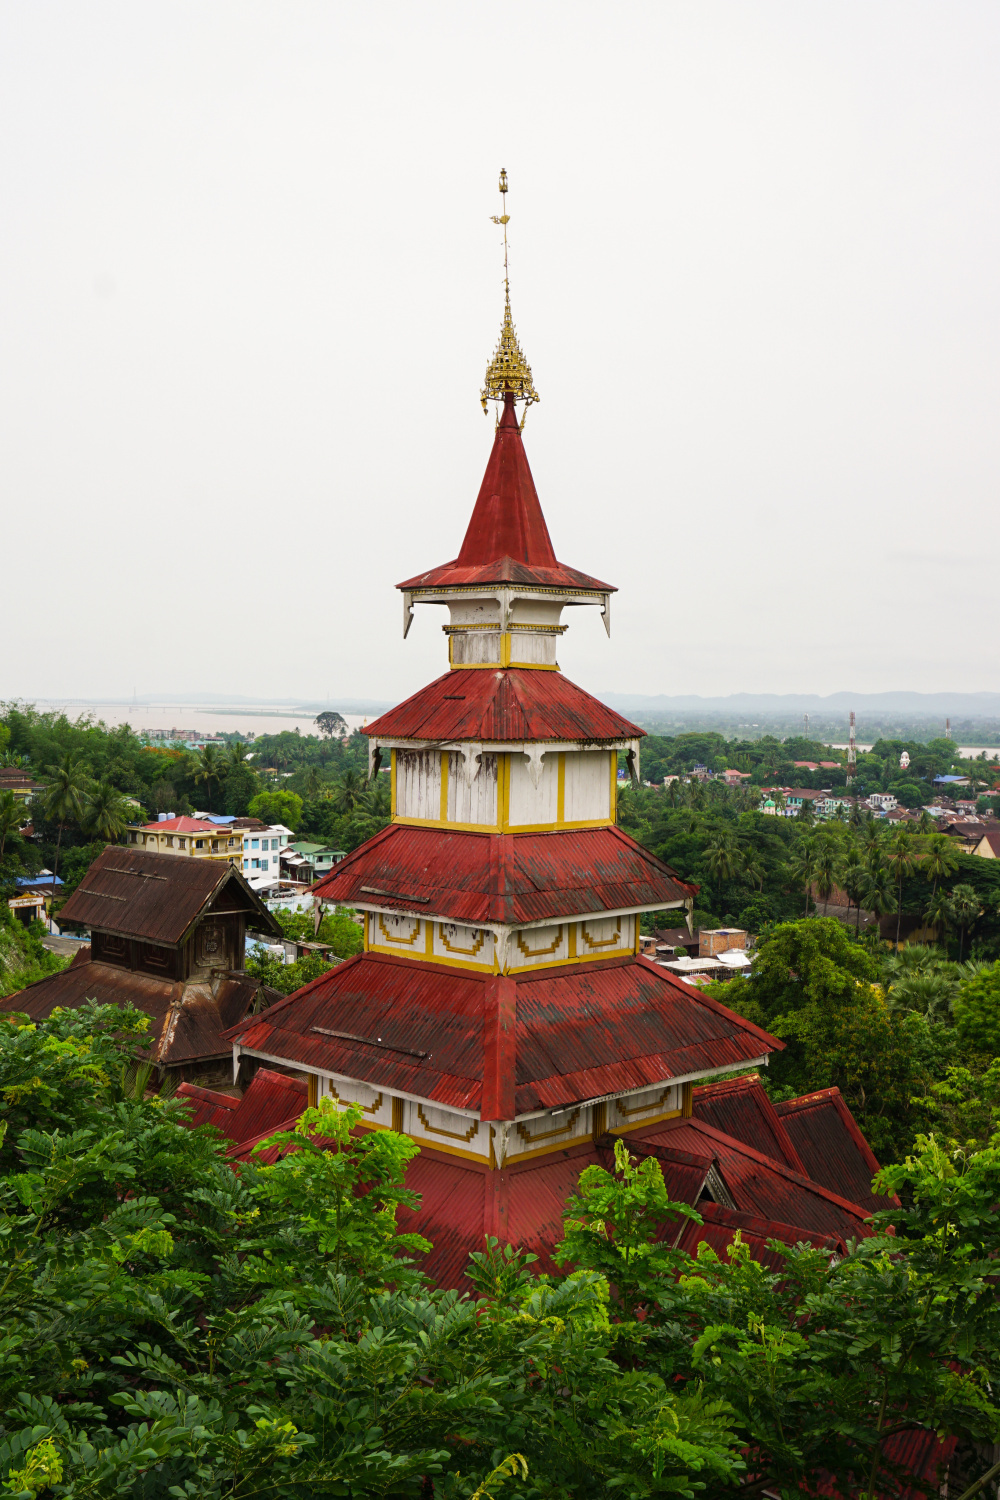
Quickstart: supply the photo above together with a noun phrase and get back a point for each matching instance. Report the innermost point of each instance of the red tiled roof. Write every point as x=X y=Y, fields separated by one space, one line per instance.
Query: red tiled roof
x=503 y=704
x=507 y=540
x=476 y=878
x=205 y=1106
x=741 y=1108
x=581 y=1032
x=720 y=1225
x=831 y=1146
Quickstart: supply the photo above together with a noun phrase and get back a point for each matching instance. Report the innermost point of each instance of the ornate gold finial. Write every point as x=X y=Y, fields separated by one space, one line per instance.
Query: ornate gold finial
x=508 y=370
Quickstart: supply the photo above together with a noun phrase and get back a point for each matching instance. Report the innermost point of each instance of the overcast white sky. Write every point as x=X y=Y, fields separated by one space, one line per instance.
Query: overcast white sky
x=249 y=286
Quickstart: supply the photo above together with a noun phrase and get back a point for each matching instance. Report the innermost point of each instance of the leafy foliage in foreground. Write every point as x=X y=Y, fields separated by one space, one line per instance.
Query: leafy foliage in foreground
x=171 y=1327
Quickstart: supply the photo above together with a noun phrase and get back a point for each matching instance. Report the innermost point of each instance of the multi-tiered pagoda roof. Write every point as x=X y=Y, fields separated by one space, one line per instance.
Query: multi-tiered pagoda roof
x=501 y=1014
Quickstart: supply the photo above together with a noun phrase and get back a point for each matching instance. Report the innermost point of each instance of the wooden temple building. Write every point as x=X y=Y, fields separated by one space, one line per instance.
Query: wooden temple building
x=167 y=936
x=500 y=1013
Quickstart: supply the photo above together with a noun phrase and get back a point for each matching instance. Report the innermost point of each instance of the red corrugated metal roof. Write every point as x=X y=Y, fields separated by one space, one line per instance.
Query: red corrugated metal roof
x=503 y=704
x=720 y=1225
x=270 y=1099
x=582 y=1031
x=521 y=877
x=739 y=1107
x=507 y=540
x=757 y=1184
x=832 y=1147
x=205 y=1105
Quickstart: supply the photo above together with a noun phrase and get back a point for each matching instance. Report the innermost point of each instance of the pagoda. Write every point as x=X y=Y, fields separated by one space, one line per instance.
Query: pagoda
x=501 y=1014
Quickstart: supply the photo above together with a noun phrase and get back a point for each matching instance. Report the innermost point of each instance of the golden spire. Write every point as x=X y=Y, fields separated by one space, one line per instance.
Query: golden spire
x=508 y=370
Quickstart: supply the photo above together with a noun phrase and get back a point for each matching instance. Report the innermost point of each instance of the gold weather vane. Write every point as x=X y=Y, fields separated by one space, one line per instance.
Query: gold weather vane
x=508 y=370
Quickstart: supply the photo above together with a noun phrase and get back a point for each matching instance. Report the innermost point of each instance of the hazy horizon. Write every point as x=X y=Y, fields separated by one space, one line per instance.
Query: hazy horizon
x=250 y=287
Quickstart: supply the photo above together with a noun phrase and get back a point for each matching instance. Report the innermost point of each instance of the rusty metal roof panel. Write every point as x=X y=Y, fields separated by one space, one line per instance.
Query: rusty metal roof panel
x=740 y=1107
x=759 y=1185
x=186 y=1021
x=503 y=704
x=596 y=1029
x=270 y=1099
x=582 y=1031
x=516 y=878
x=832 y=1147
x=156 y=897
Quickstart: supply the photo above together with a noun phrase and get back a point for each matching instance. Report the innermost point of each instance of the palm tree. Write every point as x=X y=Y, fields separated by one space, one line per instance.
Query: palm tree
x=348 y=791
x=940 y=859
x=804 y=868
x=825 y=869
x=940 y=913
x=807 y=815
x=851 y=877
x=722 y=857
x=106 y=814
x=965 y=904
x=877 y=893
x=900 y=859
x=63 y=797
x=925 y=823
x=11 y=817
x=208 y=770
x=237 y=754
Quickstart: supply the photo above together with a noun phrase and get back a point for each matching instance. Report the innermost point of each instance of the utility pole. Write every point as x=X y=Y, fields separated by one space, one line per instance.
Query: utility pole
x=852 y=753
x=805 y=720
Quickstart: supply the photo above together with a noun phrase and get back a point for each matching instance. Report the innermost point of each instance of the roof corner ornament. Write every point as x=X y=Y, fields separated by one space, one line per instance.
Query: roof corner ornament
x=508 y=372
x=407 y=612
x=605 y=614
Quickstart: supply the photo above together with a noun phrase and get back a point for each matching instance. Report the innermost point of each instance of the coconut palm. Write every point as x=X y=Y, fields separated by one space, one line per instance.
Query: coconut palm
x=348 y=791
x=722 y=856
x=939 y=859
x=877 y=893
x=64 y=796
x=851 y=878
x=965 y=904
x=208 y=770
x=900 y=858
x=925 y=823
x=106 y=814
x=804 y=868
x=11 y=817
x=237 y=754
x=825 y=869
x=940 y=913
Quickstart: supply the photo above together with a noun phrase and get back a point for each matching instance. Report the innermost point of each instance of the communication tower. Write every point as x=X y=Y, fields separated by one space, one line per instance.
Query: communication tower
x=947 y=729
x=852 y=753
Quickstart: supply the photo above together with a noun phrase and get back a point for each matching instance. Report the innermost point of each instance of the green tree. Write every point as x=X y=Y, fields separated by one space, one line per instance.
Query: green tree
x=106 y=814
x=278 y=807
x=12 y=816
x=826 y=864
x=966 y=907
x=64 y=796
x=208 y=772
x=939 y=859
x=900 y=858
x=722 y=857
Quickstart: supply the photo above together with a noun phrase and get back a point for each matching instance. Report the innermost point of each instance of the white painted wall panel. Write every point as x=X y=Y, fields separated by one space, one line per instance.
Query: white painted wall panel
x=536 y=650
x=549 y=1131
x=588 y=786
x=376 y=1103
x=538 y=945
x=605 y=935
x=441 y=1127
x=472 y=789
x=477 y=646
x=530 y=804
x=473 y=945
x=632 y=1111
x=402 y=934
x=418 y=783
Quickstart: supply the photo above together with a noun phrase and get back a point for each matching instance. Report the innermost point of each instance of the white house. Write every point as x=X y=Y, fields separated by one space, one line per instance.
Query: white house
x=884 y=800
x=262 y=853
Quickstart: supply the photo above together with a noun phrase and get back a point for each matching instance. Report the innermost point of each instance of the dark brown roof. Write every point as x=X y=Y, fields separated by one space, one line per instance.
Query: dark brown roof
x=186 y=1020
x=158 y=896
